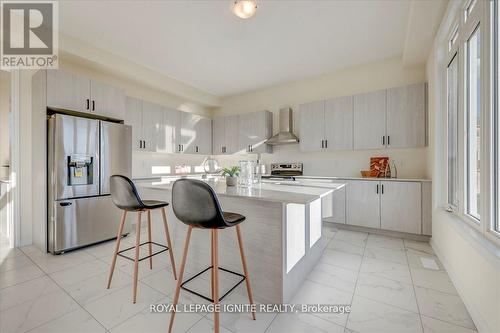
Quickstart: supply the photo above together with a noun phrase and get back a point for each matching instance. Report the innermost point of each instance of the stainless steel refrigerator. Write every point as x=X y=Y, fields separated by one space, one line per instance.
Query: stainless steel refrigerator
x=82 y=154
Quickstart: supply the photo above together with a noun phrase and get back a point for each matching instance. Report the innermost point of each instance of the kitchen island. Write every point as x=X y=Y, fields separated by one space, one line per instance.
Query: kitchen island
x=282 y=235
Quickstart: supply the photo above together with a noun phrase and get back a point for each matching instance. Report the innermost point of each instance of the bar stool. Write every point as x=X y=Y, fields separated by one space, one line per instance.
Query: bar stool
x=195 y=204
x=125 y=196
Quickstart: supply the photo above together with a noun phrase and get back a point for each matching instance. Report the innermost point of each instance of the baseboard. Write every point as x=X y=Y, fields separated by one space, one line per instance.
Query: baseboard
x=481 y=323
x=390 y=233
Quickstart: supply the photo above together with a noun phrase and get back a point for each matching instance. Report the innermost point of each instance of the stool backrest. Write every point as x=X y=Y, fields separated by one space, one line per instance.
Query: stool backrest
x=124 y=193
x=195 y=203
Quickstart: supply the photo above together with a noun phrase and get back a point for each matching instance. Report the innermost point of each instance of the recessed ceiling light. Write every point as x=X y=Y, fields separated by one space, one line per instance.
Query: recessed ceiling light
x=244 y=8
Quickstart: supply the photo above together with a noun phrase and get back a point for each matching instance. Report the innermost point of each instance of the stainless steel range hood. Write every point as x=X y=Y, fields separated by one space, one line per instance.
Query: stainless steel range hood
x=285 y=135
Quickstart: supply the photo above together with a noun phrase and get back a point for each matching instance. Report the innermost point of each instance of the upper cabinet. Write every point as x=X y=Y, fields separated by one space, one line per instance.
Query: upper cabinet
x=153 y=132
x=406 y=116
x=254 y=130
x=225 y=135
x=338 y=120
x=195 y=134
x=156 y=128
x=327 y=125
x=244 y=133
x=107 y=100
x=392 y=118
x=312 y=122
x=369 y=120
x=68 y=91
x=73 y=92
x=133 y=117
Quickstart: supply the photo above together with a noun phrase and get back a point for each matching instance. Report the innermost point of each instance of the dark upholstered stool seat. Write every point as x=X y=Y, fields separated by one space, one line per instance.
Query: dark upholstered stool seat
x=233 y=218
x=195 y=204
x=154 y=204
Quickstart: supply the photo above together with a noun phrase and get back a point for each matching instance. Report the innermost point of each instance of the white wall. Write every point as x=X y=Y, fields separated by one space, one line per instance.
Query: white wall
x=411 y=163
x=472 y=263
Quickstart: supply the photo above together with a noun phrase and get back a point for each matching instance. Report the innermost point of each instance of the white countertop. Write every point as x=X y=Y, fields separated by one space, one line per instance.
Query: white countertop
x=276 y=192
x=361 y=178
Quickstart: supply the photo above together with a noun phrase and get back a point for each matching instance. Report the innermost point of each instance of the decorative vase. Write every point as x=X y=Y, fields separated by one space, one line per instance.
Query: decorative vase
x=231 y=181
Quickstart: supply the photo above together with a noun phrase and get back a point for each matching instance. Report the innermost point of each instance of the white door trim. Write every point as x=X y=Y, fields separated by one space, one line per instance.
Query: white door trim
x=15 y=150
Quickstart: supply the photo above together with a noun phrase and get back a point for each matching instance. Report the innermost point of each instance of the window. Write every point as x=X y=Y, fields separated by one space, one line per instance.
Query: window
x=452 y=110
x=472 y=82
x=473 y=124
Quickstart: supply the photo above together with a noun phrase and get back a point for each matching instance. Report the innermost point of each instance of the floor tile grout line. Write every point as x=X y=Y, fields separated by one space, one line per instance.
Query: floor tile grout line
x=414 y=292
x=357 y=279
x=16 y=284
x=450 y=323
x=131 y=316
x=68 y=294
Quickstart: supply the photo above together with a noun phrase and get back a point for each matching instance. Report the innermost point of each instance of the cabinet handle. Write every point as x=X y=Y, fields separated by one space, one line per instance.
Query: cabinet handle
x=196 y=148
x=388 y=140
x=326 y=143
x=140 y=144
x=383 y=140
x=88 y=103
x=144 y=144
x=382 y=188
x=377 y=188
x=322 y=143
x=93 y=105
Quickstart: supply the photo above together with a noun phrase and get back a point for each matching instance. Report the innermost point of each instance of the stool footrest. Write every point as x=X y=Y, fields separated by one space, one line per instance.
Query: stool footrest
x=208 y=298
x=165 y=248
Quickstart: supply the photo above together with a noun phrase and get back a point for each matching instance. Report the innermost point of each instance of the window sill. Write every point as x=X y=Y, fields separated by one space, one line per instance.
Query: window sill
x=475 y=237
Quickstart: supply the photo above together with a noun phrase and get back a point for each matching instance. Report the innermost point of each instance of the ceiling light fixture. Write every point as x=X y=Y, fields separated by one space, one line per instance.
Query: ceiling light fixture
x=244 y=8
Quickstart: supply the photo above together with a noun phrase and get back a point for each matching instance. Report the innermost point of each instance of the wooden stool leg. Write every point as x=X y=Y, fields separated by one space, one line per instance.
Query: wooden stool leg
x=149 y=240
x=136 y=261
x=179 y=281
x=245 y=270
x=215 y=277
x=169 y=242
x=117 y=247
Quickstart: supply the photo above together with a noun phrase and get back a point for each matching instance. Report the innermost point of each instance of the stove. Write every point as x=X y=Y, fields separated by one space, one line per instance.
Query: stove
x=285 y=171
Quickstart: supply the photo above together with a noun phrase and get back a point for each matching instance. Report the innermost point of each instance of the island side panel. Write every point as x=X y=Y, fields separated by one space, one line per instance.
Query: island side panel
x=312 y=240
x=261 y=233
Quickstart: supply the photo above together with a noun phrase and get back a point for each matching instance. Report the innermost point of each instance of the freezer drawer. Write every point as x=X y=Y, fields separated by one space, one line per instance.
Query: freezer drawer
x=80 y=222
x=116 y=152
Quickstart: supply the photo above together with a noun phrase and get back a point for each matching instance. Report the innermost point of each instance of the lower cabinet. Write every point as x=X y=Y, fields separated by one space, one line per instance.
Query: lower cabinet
x=363 y=203
x=388 y=205
x=401 y=206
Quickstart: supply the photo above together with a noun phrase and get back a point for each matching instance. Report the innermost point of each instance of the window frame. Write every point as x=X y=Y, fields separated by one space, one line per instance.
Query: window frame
x=474 y=27
x=453 y=54
x=494 y=119
x=486 y=14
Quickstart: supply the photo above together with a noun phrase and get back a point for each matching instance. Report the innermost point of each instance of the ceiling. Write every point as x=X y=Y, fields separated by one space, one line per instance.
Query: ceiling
x=202 y=44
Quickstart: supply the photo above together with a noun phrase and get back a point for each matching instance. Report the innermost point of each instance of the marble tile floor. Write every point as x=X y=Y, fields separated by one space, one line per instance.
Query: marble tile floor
x=389 y=286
